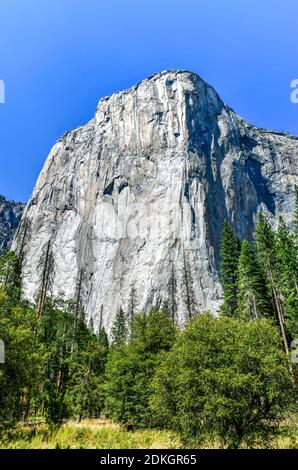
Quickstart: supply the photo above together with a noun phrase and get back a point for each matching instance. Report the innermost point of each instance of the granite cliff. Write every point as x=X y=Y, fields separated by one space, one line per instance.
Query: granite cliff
x=133 y=202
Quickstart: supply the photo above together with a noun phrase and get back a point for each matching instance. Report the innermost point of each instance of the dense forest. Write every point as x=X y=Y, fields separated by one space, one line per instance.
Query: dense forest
x=231 y=377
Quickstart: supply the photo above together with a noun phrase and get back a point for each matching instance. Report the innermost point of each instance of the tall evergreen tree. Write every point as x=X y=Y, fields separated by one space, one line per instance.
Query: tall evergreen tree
x=287 y=275
x=131 y=367
x=119 y=330
x=266 y=249
x=253 y=298
x=10 y=275
x=229 y=254
x=73 y=369
x=296 y=217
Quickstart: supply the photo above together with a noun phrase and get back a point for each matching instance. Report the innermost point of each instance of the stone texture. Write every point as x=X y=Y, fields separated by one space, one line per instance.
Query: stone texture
x=141 y=191
x=10 y=216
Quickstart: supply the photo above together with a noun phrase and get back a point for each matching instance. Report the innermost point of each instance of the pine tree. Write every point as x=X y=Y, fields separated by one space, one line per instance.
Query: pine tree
x=119 y=330
x=266 y=249
x=229 y=253
x=295 y=223
x=130 y=368
x=103 y=338
x=10 y=275
x=295 y=232
x=287 y=275
x=73 y=369
x=253 y=298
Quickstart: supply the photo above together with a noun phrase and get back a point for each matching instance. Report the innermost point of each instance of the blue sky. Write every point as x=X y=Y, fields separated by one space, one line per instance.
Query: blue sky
x=58 y=57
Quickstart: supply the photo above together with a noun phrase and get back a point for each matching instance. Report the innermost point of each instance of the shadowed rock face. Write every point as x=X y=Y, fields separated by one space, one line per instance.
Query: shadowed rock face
x=10 y=216
x=138 y=196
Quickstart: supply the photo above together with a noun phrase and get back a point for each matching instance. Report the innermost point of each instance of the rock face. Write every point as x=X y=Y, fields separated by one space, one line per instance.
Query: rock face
x=10 y=216
x=133 y=202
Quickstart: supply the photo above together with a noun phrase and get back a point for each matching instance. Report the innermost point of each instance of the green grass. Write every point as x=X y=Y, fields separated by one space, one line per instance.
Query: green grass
x=89 y=434
x=104 y=434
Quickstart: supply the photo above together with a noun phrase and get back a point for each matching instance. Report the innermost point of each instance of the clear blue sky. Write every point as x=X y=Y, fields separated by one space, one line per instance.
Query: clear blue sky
x=58 y=57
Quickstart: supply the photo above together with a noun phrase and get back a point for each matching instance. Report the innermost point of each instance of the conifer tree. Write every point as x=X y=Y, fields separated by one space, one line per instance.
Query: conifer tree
x=287 y=275
x=296 y=218
x=10 y=275
x=229 y=253
x=103 y=338
x=130 y=368
x=119 y=330
x=295 y=232
x=253 y=298
x=266 y=249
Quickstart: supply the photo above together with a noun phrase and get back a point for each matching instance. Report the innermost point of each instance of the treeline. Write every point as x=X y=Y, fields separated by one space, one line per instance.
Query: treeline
x=226 y=379
x=223 y=380
x=54 y=364
x=260 y=279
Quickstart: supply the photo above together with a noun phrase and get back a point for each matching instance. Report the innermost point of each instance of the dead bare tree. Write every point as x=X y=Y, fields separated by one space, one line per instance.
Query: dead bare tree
x=24 y=235
x=133 y=303
x=47 y=275
x=101 y=319
x=79 y=291
x=172 y=294
x=187 y=287
x=76 y=305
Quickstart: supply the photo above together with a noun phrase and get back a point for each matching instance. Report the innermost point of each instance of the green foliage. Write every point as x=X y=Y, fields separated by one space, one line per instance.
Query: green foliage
x=74 y=364
x=54 y=365
x=20 y=371
x=229 y=253
x=287 y=275
x=295 y=231
x=224 y=379
x=253 y=298
x=85 y=392
x=278 y=255
x=265 y=281
x=265 y=242
x=131 y=367
x=119 y=330
x=10 y=271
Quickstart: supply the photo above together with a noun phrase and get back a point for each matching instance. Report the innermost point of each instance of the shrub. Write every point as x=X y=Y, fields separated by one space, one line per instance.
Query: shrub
x=225 y=379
